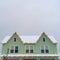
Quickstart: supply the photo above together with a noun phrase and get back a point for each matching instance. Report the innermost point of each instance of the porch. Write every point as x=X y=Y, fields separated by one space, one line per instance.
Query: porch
x=30 y=57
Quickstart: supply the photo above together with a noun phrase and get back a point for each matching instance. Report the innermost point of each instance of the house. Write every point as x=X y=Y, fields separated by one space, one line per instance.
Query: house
x=18 y=47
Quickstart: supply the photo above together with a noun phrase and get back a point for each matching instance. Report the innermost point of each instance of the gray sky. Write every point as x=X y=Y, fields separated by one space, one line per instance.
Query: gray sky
x=30 y=17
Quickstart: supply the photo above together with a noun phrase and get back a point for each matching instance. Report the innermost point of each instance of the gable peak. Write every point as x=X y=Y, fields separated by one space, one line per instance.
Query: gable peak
x=15 y=32
x=43 y=33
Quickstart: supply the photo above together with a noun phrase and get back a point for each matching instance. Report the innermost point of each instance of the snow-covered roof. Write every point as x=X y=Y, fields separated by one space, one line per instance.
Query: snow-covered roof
x=6 y=39
x=25 y=39
x=52 y=39
x=25 y=55
x=29 y=39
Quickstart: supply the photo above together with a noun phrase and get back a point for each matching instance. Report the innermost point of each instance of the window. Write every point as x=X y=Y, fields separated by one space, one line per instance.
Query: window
x=16 y=49
x=12 y=49
x=14 y=39
x=46 y=49
x=42 y=49
x=43 y=39
x=29 y=49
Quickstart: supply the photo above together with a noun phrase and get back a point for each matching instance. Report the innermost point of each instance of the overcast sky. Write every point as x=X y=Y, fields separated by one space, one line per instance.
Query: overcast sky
x=30 y=17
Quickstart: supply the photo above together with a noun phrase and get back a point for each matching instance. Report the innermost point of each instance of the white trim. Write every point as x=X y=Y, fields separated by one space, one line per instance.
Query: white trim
x=31 y=55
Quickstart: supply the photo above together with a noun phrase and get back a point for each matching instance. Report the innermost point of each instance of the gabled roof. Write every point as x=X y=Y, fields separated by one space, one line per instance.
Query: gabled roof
x=52 y=39
x=29 y=39
x=6 y=39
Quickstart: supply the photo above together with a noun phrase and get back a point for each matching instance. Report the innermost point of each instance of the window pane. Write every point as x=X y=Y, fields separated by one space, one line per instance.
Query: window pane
x=27 y=51
x=14 y=39
x=47 y=51
x=27 y=47
x=31 y=51
x=11 y=51
x=16 y=51
x=16 y=47
x=43 y=39
x=42 y=51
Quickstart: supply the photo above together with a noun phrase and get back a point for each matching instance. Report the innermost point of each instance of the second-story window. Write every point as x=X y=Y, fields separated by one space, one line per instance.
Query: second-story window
x=42 y=49
x=29 y=48
x=16 y=49
x=12 y=49
x=46 y=49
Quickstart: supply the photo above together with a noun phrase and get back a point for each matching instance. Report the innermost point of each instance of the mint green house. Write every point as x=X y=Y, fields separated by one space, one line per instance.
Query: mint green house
x=18 y=47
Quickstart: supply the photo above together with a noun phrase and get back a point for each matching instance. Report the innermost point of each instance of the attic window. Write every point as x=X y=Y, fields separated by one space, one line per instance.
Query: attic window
x=14 y=39
x=43 y=39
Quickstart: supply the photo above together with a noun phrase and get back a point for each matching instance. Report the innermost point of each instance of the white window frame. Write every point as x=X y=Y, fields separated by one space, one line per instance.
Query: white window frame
x=29 y=48
x=32 y=48
x=44 y=48
x=13 y=49
x=26 y=48
x=41 y=49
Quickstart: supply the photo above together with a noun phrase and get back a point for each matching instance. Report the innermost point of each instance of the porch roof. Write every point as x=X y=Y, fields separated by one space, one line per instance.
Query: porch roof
x=30 y=55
